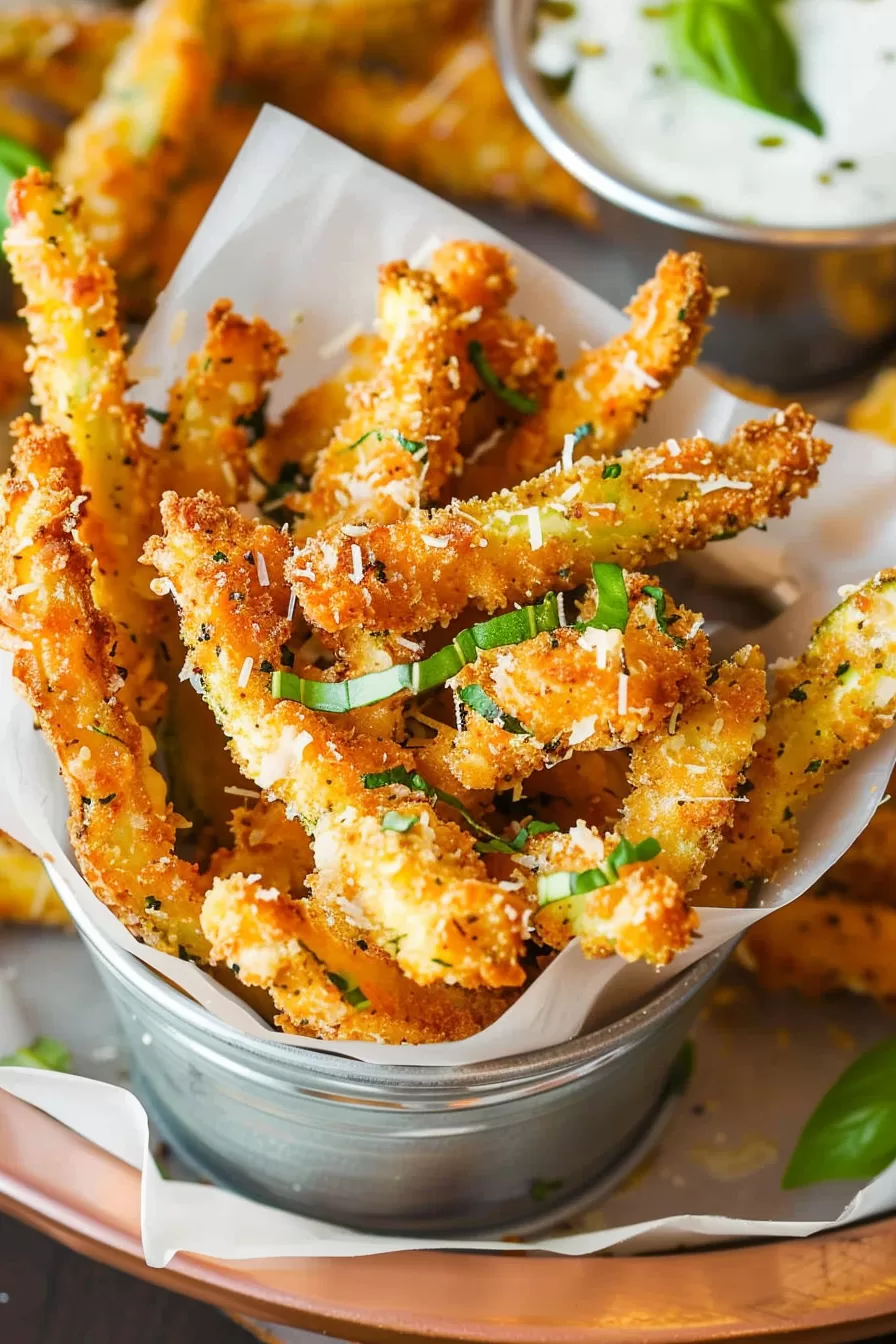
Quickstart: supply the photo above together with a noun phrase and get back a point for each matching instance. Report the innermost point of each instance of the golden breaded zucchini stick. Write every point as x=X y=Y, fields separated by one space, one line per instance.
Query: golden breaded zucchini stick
x=609 y=390
x=837 y=698
x=642 y=508
x=875 y=412
x=121 y=829
x=638 y=912
x=374 y=998
x=398 y=445
x=685 y=779
x=841 y=933
x=61 y=52
x=205 y=439
x=457 y=133
x=27 y=895
x=577 y=690
x=80 y=381
x=419 y=883
x=129 y=148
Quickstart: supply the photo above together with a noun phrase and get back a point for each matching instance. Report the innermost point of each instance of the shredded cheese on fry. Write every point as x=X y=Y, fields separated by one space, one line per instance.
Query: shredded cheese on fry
x=245 y=672
x=357 y=574
x=262 y=570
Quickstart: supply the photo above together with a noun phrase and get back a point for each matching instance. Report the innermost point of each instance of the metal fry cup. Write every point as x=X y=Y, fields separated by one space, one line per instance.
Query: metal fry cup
x=400 y=1148
x=805 y=308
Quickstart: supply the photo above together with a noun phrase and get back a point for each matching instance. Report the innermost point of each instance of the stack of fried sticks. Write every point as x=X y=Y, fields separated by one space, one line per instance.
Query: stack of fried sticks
x=349 y=579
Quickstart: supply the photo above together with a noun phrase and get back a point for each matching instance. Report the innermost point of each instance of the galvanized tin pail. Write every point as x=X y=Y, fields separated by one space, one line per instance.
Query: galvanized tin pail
x=400 y=1149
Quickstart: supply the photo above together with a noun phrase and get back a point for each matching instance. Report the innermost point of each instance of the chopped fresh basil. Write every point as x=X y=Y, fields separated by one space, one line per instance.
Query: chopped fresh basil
x=611 y=471
x=399 y=821
x=612 y=598
x=416 y=448
x=160 y=416
x=475 y=698
x=518 y=400
x=582 y=431
x=659 y=603
x=350 y=990
x=560 y=886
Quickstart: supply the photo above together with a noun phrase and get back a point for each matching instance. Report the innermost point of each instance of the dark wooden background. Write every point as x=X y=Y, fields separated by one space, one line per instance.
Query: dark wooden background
x=57 y=1297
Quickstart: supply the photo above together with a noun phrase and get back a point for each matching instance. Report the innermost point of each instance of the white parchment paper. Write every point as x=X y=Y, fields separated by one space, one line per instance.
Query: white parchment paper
x=298 y=228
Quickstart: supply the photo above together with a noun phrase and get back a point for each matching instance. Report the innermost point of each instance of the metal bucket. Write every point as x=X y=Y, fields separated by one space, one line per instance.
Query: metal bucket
x=402 y=1149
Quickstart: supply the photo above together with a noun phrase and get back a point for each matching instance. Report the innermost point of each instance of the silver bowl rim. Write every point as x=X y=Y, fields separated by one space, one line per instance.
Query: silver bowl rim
x=567 y=1059
x=511 y=21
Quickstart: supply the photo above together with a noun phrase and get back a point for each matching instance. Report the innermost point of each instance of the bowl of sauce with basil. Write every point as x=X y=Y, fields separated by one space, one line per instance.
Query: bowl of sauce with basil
x=763 y=131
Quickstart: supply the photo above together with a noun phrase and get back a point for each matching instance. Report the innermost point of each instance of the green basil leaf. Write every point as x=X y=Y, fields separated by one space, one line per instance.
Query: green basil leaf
x=399 y=821
x=44 y=1053
x=659 y=605
x=612 y=598
x=851 y=1134
x=741 y=48
x=475 y=698
x=518 y=400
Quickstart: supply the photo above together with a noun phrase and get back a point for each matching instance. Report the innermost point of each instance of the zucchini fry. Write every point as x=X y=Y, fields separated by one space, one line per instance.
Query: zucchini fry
x=839 y=697
x=61 y=53
x=643 y=508
x=253 y=936
x=131 y=145
x=427 y=892
x=684 y=780
x=205 y=441
x=642 y=916
x=398 y=445
x=457 y=133
x=121 y=829
x=27 y=895
x=573 y=690
x=841 y=933
x=609 y=390
x=80 y=380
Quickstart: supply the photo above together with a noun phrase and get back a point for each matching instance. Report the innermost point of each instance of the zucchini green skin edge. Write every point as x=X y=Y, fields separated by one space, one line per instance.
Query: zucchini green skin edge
x=839 y=697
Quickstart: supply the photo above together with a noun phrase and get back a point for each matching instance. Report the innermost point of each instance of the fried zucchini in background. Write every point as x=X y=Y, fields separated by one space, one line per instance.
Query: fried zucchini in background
x=27 y=895
x=841 y=934
x=875 y=412
x=129 y=148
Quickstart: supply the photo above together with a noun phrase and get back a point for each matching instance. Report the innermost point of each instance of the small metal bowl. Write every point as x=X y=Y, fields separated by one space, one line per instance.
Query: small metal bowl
x=403 y=1148
x=807 y=307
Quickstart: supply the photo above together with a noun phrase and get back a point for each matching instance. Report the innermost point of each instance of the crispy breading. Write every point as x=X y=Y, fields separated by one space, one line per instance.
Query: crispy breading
x=841 y=933
x=27 y=896
x=457 y=133
x=129 y=147
x=205 y=440
x=685 y=779
x=612 y=387
x=323 y=983
x=398 y=444
x=643 y=916
x=479 y=275
x=837 y=698
x=589 y=785
x=574 y=690
x=545 y=534
x=875 y=412
x=121 y=828
x=61 y=53
x=79 y=377
x=427 y=892
x=289 y=451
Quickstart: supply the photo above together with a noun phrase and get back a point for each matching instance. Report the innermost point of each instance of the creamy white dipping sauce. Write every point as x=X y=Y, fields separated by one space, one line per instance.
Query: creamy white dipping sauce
x=673 y=137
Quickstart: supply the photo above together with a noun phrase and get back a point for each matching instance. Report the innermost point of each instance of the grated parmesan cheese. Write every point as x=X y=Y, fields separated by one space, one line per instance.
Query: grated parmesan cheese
x=275 y=764
x=569 y=444
x=582 y=729
x=536 y=539
x=640 y=376
x=291 y=609
x=357 y=574
x=571 y=491
x=235 y=791
x=622 y=701
x=723 y=483
x=262 y=570
x=23 y=589
x=440 y=543
x=245 y=672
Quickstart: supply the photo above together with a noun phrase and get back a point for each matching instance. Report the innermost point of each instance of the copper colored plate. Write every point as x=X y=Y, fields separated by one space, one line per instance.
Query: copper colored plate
x=832 y=1288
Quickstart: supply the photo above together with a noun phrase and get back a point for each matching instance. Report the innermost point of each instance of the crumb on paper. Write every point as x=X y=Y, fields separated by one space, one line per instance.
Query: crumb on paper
x=737 y=1161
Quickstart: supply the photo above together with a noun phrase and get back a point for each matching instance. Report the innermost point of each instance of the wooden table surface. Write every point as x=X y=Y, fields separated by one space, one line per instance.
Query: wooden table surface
x=57 y=1297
